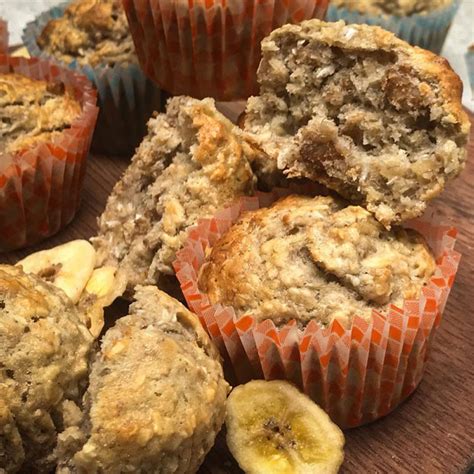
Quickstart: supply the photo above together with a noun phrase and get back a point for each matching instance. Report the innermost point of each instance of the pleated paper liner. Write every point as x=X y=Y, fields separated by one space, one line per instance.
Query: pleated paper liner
x=40 y=187
x=427 y=30
x=127 y=98
x=209 y=48
x=356 y=374
x=3 y=36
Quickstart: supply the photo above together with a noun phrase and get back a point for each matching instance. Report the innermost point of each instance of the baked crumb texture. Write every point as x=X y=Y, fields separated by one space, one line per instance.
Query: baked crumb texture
x=366 y=114
x=156 y=398
x=392 y=7
x=44 y=353
x=314 y=258
x=192 y=163
x=33 y=111
x=91 y=32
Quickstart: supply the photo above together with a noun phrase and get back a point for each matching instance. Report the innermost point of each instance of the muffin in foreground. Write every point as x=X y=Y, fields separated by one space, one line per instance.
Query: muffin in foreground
x=47 y=119
x=423 y=23
x=209 y=48
x=156 y=396
x=192 y=162
x=93 y=37
x=356 y=373
x=314 y=259
x=364 y=113
x=44 y=353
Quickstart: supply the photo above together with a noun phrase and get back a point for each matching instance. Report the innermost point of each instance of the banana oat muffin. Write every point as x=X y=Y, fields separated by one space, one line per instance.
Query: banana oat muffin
x=91 y=32
x=33 y=111
x=366 y=114
x=192 y=163
x=314 y=258
x=44 y=354
x=392 y=7
x=156 y=398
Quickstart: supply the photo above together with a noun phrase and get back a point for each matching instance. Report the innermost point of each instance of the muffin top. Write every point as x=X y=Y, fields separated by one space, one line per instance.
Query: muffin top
x=156 y=395
x=92 y=32
x=44 y=353
x=33 y=111
x=314 y=258
x=393 y=7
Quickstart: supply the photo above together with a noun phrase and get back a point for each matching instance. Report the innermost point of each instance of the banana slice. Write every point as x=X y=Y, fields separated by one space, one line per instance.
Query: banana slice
x=104 y=286
x=68 y=266
x=272 y=428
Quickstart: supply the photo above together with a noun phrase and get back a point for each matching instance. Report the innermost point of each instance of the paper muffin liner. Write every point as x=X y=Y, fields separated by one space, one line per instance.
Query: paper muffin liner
x=209 y=48
x=40 y=187
x=3 y=36
x=126 y=97
x=470 y=67
x=356 y=374
x=428 y=30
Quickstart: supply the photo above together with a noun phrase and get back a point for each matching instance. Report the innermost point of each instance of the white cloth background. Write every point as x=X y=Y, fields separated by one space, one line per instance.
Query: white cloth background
x=19 y=12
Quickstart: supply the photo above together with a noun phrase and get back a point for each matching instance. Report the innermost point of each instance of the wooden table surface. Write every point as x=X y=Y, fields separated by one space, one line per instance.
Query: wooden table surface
x=433 y=431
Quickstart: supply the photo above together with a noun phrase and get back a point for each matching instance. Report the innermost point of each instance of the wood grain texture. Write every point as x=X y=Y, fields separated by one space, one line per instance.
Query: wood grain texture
x=433 y=431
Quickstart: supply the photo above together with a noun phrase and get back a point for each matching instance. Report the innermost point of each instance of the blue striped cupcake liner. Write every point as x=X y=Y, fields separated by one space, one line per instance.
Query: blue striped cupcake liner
x=428 y=31
x=126 y=97
x=470 y=67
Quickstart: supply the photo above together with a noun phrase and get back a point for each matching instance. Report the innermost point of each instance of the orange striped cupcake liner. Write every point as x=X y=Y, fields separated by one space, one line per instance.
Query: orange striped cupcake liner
x=40 y=187
x=3 y=37
x=209 y=48
x=356 y=374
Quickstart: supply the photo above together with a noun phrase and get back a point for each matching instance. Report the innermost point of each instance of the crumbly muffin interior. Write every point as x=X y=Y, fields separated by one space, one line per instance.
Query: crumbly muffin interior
x=92 y=32
x=33 y=111
x=392 y=7
x=192 y=163
x=344 y=106
x=314 y=258
x=156 y=398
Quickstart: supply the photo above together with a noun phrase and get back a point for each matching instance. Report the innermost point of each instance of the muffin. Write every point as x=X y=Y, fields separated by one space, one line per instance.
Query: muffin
x=423 y=23
x=307 y=259
x=362 y=112
x=33 y=111
x=315 y=291
x=44 y=353
x=209 y=48
x=92 y=36
x=47 y=119
x=192 y=162
x=156 y=396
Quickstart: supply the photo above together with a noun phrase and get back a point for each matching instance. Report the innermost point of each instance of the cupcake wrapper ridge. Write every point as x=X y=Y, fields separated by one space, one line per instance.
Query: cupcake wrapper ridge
x=40 y=187
x=428 y=30
x=126 y=97
x=3 y=36
x=356 y=374
x=212 y=48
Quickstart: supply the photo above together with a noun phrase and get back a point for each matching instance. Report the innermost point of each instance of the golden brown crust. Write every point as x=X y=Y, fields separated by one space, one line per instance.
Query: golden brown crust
x=33 y=111
x=156 y=398
x=44 y=354
x=192 y=163
x=313 y=258
x=93 y=32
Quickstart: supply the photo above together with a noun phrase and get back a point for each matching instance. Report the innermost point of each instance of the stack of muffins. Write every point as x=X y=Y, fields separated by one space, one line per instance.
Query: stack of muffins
x=314 y=281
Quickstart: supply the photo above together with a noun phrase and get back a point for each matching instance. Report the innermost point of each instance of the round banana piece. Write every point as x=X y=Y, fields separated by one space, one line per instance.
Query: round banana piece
x=68 y=266
x=272 y=428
